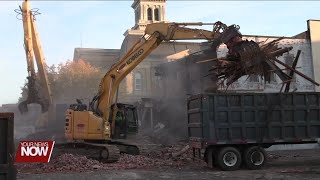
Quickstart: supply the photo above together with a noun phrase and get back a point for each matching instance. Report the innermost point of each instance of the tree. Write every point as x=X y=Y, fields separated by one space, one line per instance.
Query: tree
x=76 y=79
x=71 y=80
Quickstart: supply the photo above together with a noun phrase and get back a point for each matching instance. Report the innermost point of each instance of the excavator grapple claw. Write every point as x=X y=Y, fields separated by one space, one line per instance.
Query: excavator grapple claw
x=23 y=107
x=33 y=98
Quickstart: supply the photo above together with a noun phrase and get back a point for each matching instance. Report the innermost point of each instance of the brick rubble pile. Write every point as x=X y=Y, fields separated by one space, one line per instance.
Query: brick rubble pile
x=77 y=163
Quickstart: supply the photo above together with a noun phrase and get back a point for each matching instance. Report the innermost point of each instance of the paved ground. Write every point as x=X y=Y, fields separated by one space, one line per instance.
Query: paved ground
x=293 y=165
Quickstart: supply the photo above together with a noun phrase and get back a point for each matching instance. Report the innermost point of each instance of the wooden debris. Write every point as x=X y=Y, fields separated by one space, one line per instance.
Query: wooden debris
x=184 y=150
x=251 y=58
x=291 y=72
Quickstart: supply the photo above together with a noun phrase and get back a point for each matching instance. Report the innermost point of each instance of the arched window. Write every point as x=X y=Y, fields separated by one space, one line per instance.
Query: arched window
x=149 y=11
x=156 y=14
x=138 y=81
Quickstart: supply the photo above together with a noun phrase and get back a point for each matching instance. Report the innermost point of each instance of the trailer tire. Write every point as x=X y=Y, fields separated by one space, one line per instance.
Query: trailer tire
x=229 y=158
x=254 y=157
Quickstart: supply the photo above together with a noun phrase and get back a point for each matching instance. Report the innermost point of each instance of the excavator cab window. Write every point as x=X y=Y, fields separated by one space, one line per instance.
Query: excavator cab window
x=78 y=107
x=120 y=131
x=132 y=120
x=125 y=121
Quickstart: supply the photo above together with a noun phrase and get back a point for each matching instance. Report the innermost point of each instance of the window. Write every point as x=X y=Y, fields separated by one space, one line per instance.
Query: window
x=289 y=58
x=156 y=14
x=253 y=78
x=273 y=77
x=149 y=11
x=138 y=81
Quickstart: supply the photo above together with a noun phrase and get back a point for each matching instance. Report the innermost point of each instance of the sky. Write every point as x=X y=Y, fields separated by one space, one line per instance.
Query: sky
x=65 y=25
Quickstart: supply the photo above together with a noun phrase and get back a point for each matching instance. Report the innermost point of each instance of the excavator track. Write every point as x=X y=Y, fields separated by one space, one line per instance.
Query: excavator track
x=105 y=153
x=137 y=149
x=108 y=153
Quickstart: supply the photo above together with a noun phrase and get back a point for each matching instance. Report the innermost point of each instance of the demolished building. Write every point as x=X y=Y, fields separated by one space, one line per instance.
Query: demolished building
x=162 y=82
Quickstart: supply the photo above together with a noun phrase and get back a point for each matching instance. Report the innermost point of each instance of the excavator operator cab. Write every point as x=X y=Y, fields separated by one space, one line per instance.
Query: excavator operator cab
x=126 y=121
x=79 y=106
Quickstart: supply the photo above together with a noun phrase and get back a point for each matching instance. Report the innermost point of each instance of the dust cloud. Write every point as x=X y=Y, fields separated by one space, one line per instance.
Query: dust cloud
x=178 y=80
x=169 y=125
x=37 y=125
x=23 y=123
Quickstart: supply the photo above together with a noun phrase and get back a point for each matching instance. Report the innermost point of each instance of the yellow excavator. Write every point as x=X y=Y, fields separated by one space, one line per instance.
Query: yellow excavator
x=38 y=93
x=106 y=127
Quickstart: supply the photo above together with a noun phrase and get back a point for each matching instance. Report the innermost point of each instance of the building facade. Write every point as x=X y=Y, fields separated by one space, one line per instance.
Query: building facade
x=184 y=76
x=143 y=82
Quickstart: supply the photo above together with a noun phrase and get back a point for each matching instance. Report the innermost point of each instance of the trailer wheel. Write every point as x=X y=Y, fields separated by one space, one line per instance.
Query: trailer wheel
x=254 y=157
x=229 y=158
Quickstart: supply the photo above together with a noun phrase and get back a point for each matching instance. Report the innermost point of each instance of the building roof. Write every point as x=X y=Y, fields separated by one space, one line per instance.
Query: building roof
x=96 y=50
x=303 y=35
x=102 y=58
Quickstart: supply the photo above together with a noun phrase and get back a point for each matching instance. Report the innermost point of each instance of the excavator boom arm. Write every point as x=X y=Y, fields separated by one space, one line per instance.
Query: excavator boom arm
x=178 y=31
x=110 y=82
x=33 y=50
x=40 y=60
x=155 y=34
x=28 y=37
